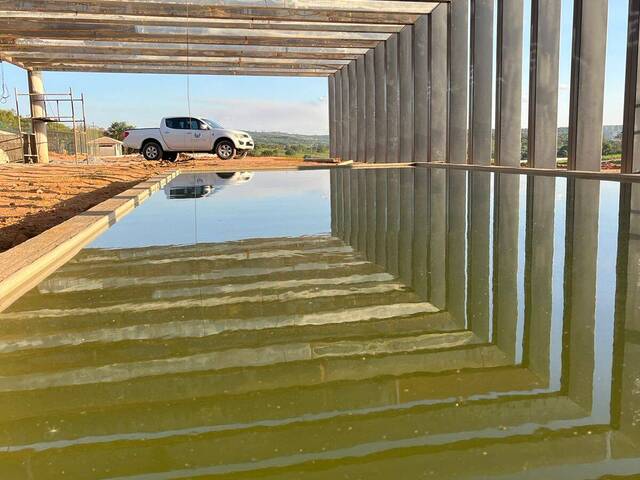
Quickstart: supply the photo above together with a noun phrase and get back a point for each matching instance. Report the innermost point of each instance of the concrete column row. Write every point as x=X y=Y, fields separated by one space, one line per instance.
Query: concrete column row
x=425 y=94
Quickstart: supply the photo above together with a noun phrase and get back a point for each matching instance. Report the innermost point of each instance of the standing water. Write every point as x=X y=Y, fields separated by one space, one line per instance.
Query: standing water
x=370 y=324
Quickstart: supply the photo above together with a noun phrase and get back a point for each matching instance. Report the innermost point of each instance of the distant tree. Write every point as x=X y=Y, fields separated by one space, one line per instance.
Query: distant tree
x=116 y=130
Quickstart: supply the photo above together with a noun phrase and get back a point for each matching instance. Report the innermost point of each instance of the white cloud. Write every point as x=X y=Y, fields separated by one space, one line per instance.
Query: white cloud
x=267 y=115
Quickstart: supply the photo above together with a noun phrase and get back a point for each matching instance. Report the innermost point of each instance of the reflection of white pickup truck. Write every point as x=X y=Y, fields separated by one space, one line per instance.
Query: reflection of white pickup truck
x=188 y=134
x=201 y=185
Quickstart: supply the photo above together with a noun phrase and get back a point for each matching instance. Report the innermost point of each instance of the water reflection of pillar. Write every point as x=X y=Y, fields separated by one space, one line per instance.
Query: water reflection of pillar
x=505 y=258
x=456 y=262
x=539 y=272
x=583 y=197
x=405 y=235
x=437 y=238
x=627 y=340
x=333 y=181
x=393 y=220
x=381 y=217
x=371 y=213
x=363 y=208
x=421 y=232
x=478 y=306
x=354 y=200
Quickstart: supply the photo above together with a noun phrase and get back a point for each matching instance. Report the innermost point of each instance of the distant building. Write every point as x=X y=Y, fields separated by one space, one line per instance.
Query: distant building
x=106 y=147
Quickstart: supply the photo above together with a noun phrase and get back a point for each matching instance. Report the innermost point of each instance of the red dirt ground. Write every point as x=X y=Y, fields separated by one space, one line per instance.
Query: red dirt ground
x=34 y=198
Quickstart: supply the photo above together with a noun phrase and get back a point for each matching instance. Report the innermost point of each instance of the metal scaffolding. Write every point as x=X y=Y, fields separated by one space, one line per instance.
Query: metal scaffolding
x=61 y=108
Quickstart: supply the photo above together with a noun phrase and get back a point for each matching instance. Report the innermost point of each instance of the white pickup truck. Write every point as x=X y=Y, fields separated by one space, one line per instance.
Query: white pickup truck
x=188 y=134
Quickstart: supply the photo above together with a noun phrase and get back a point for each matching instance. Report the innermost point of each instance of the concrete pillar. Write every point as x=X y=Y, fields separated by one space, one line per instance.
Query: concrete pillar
x=346 y=137
x=458 y=50
x=371 y=214
x=36 y=91
x=393 y=100
x=407 y=99
x=362 y=109
x=480 y=130
x=543 y=83
x=380 y=61
x=631 y=130
x=332 y=116
x=438 y=84
x=338 y=113
x=421 y=88
x=587 y=84
x=353 y=111
x=370 y=79
x=509 y=84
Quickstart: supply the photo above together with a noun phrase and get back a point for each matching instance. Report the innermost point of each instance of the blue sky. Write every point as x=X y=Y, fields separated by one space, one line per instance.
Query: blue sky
x=296 y=105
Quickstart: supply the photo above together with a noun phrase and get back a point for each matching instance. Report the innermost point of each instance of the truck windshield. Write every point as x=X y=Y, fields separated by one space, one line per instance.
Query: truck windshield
x=212 y=124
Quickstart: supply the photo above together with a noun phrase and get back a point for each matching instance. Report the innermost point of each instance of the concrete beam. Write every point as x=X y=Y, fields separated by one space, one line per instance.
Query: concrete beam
x=175 y=49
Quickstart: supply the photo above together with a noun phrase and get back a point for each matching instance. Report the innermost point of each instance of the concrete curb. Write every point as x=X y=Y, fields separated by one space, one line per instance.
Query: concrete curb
x=27 y=264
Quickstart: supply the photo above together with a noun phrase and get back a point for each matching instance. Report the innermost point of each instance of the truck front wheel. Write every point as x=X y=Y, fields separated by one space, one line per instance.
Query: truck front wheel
x=225 y=150
x=152 y=151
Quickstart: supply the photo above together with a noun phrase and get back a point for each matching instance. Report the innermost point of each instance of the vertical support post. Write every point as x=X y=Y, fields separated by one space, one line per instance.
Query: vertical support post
x=332 y=117
x=338 y=109
x=380 y=61
x=420 y=250
x=458 y=53
x=509 y=84
x=353 y=111
x=421 y=88
x=587 y=84
x=393 y=101
x=362 y=109
x=38 y=111
x=407 y=99
x=480 y=130
x=371 y=214
x=438 y=84
x=543 y=83
x=73 y=122
x=370 y=127
x=346 y=137
x=631 y=128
